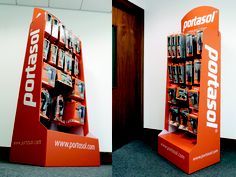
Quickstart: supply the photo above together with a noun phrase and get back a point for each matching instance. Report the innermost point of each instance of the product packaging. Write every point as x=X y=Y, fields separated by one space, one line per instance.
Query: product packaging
x=173 y=45
x=193 y=96
x=78 y=89
x=75 y=67
x=184 y=112
x=174 y=115
x=64 y=78
x=48 y=25
x=189 y=45
x=62 y=37
x=197 y=71
x=76 y=44
x=59 y=106
x=61 y=58
x=45 y=102
x=74 y=113
x=169 y=47
x=182 y=94
x=70 y=40
x=55 y=28
x=48 y=75
x=181 y=46
x=175 y=73
x=192 y=123
x=53 y=55
x=67 y=38
x=172 y=94
x=170 y=72
x=68 y=63
x=199 y=42
x=189 y=72
x=181 y=73
x=46 y=46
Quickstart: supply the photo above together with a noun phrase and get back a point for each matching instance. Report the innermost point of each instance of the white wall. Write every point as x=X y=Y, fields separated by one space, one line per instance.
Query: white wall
x=163 y=17
x=140 y=3
x=94 y=29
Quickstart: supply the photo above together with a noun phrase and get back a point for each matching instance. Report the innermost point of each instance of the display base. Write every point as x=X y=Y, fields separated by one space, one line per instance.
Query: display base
x=178 y=147
x=58 y=149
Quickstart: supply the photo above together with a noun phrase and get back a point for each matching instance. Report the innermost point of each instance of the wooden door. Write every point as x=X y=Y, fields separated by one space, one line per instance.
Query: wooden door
x=127 y=92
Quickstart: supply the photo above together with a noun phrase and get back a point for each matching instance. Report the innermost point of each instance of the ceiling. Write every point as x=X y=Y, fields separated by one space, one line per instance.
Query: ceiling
x=85 y=5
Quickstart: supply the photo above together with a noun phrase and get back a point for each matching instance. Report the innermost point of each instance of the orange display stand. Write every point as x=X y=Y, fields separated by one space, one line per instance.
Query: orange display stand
x=36 y=140
x=188 y=151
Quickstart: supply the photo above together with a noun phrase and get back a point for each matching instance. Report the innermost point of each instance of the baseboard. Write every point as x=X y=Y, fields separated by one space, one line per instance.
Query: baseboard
x=4 y=153
x=106 y=157
x=149 y=136
x=227 y=144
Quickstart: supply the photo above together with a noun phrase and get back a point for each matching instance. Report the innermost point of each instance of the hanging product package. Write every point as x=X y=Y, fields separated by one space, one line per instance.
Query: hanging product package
x=189 y=72
x=197 y=71
x=181 y=46
x=181 y=73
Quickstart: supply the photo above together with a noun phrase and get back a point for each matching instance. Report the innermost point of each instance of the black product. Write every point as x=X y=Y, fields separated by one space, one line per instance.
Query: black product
x=181 y=46
x=199 y=42
x=169 y=46
x=184 y=114
x=170 y=72
x=197 y=71
x=189 y=45
x=189 y=72
x=173 y=46
x=174 y=114
x=45 y=102
x=46 y=46
x=175 y=73
x=182 y=94
x=181 y=73
x=172 y=95
x=193 y=123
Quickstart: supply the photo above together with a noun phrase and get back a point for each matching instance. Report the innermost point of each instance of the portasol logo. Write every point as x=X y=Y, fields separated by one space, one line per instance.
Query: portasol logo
x=212 y=89
x=30 y=69
x=199 y=20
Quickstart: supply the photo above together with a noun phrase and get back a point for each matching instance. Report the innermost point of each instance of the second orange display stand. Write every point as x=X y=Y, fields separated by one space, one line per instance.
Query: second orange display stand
x=193 y=150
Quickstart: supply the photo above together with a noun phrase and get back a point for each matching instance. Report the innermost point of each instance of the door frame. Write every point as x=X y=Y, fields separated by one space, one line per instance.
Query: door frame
x=131 y=8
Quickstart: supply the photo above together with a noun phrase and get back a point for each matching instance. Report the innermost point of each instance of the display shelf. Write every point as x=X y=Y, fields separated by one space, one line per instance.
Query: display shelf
x=191 y=135
x=50 y=140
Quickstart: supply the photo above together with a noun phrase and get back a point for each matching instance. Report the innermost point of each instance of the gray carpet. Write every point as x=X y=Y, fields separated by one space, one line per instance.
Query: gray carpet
x=137 y=159
x=17 y=170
